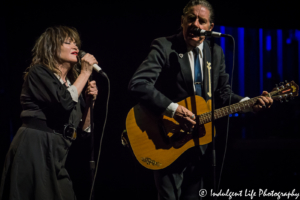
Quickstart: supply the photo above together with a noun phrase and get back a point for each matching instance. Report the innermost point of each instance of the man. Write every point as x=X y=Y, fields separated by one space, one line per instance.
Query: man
x=178 y=67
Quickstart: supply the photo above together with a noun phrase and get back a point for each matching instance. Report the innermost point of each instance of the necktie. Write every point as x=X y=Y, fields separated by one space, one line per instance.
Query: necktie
x=197 y=73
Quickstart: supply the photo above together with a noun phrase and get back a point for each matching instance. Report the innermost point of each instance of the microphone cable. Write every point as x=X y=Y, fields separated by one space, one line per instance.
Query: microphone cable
x=101 y=139
x=227 y=131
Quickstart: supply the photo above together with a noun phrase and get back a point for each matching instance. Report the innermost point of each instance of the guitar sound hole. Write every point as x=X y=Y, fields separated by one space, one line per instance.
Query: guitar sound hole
x=179 y=138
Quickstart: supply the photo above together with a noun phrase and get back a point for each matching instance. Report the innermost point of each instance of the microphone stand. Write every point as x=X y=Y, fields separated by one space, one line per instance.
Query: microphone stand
x=212 y=34
x=212 y=42
x=92 y=161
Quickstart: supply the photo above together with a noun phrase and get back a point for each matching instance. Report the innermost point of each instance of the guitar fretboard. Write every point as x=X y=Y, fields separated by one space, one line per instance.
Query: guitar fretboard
x=237 y=107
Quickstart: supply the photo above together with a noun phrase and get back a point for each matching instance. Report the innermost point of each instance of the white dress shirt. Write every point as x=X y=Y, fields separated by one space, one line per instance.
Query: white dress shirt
x=71 y=88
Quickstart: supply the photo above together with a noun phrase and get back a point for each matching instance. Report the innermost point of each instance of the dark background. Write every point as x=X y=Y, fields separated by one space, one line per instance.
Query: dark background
x=119 y=33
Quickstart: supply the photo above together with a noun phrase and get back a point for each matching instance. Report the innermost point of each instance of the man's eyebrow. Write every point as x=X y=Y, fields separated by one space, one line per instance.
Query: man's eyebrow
x=191 y=15
x=204 y=19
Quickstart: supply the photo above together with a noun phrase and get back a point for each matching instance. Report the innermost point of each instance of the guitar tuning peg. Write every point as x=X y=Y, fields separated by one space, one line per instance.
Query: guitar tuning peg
x=280 y=99
x=282 y=86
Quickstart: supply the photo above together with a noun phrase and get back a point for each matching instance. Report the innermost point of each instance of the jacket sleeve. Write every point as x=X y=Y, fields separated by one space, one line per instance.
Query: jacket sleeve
x=142 y=84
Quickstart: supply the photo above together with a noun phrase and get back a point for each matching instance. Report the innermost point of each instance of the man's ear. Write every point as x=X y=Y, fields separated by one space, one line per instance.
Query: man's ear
x=211 y=26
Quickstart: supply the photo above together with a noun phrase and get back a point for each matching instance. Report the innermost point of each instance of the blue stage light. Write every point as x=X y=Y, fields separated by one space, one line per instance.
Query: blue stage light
x=241 y=60
x=261 y=61
x=222 y=42
x=269 y=41
x=279 y=54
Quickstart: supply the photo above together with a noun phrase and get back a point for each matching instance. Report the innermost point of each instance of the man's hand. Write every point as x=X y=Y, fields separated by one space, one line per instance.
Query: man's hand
x=263 y=102
x=185 y=118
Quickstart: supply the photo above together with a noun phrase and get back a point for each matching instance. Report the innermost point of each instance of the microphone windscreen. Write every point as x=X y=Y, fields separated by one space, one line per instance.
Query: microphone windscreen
x=196 y=31
x=81 y=53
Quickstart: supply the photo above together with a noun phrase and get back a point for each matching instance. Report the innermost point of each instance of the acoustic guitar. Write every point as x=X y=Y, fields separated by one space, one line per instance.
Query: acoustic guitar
x=158 y=141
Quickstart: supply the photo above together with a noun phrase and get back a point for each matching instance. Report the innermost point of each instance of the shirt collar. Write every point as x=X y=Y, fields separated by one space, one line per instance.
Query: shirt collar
x=200 y=47
x=62 y=82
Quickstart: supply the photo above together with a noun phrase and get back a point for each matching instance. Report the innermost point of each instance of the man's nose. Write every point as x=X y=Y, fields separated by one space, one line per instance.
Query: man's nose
x=196 y=23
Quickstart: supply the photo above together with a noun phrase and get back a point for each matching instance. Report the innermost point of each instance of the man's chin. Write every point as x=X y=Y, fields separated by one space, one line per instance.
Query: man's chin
x=193 y=42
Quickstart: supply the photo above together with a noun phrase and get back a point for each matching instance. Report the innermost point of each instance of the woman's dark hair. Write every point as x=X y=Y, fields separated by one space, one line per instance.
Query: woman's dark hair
x=47 y=49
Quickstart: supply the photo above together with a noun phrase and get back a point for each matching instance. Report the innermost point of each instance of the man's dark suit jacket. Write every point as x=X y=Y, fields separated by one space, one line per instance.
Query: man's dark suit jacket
x=165 y=75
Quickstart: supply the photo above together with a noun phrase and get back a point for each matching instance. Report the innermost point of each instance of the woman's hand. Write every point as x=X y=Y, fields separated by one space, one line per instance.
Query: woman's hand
x=87 y=62
x=91 y=90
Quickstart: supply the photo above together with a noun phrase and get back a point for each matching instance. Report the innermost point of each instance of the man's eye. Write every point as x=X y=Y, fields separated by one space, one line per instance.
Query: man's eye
x=67 y=42
x=191 y=19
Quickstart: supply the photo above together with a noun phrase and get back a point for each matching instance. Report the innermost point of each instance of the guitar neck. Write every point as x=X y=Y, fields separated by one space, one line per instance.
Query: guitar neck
x=237 y=107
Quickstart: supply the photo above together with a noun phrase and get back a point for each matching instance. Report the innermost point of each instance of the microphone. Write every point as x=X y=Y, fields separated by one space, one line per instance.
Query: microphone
x=95 y=66
x=201 y=32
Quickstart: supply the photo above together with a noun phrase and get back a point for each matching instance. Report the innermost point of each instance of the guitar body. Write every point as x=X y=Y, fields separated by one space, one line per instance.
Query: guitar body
x=158 y=141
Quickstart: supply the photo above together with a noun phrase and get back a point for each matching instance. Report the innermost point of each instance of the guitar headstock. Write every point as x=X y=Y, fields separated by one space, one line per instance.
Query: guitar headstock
x=285 y=91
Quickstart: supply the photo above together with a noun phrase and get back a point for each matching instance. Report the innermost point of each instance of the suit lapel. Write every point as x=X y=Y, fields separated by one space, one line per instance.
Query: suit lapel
x=206 y=61
x=183 y=60
x=186 y=71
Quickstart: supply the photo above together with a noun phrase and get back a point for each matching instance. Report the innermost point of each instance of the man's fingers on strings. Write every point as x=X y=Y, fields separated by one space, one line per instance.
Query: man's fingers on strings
x=192 y=122
x=187 y=113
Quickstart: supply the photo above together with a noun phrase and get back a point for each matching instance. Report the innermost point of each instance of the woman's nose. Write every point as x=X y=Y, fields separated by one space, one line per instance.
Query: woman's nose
x=75 y=47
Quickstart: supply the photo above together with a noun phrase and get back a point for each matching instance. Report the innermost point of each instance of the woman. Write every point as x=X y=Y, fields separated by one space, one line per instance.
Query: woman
x=52 y=109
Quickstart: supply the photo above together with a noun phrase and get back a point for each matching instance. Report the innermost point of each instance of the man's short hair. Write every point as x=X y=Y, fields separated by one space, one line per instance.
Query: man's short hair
x=204 y=3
